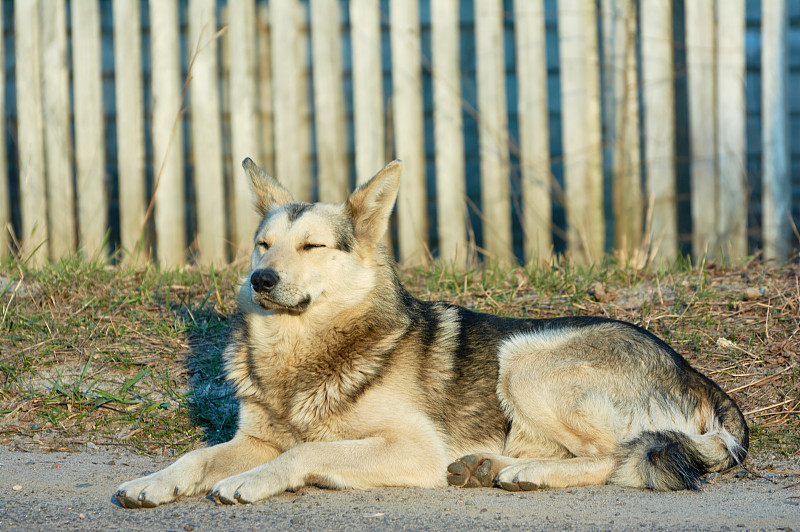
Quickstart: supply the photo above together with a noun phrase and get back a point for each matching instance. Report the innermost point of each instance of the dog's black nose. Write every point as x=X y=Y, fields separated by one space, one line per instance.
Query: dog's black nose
x=265 y=279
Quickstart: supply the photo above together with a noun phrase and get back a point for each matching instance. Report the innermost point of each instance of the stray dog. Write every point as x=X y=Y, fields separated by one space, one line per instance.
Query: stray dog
x=345 y=380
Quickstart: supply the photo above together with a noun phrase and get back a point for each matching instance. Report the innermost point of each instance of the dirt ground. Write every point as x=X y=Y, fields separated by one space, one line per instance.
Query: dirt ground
x=74 y=491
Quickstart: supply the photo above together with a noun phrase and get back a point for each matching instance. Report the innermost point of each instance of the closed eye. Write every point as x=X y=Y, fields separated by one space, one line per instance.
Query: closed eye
x=263 y=246
x=308 y=246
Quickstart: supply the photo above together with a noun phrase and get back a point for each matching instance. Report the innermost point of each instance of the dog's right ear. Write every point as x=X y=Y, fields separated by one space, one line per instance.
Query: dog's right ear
x=266 y=189
x=372 y=203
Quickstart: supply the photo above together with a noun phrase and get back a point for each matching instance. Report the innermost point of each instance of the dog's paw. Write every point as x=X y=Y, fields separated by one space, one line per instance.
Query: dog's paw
x=147 y=492
x=472 y=471
x=522 y=477
x=246 y=488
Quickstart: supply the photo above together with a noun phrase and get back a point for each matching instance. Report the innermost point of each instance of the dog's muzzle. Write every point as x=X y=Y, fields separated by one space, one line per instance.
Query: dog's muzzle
x=270 y=293
x=264 y=280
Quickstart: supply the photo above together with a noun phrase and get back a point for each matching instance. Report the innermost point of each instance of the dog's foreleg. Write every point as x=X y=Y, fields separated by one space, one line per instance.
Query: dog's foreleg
x=365 y=463
x=196 y=472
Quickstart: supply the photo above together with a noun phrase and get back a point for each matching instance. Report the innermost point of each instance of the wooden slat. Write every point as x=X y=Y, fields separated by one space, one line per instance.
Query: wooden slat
x=702 y=125
x=5 y=206
x=265 y=90
x=58 y=134
x=330 y=120
x=287 y=59
x=409 y=132
x=534 y=131
x=168 y=166
x=493 y=130
x=206 y=131
x=776 y=179
x=245 y=138
x=581 y=133
x=90 y=145
x=622 y=126
x=368 y=114
x=129 y=94
x=33 y=198
x=731 y=140
x=451 y=204
x=658 y=93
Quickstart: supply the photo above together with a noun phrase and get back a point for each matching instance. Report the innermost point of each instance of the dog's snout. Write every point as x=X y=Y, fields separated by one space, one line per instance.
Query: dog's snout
x=264 y=280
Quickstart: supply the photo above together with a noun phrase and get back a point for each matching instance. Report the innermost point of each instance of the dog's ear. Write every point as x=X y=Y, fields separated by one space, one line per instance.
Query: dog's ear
x=268 y=192
x=372 y=203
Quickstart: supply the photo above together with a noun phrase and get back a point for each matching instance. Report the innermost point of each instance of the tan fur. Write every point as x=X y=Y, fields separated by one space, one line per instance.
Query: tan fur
x=344 y=380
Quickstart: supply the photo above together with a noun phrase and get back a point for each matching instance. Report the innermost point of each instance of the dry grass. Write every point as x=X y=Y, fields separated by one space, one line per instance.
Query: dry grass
x=92 y=355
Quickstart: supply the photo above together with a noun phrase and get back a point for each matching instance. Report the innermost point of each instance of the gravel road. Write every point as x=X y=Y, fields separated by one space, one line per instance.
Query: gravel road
x=74 y=491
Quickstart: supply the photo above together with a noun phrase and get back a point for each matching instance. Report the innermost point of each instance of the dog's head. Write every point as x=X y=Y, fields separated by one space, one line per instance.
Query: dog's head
x=307 y=252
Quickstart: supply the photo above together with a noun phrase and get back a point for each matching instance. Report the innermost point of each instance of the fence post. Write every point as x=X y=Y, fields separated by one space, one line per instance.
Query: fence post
x=129 y=91
x=409 y=132
x=90 y=145
x=493 y=130
x=534 y=138
x=700 y=73
x=333 y=172
x=57 y=133
x=244 y=116
x=168 y=167
x=448 y=134
x=622 y=119
x=368 y=113
x=580 y=111
x=776 y=178
x=289 y=91
x=658 y=93
x=731 y=141
x=206 y=130
x=30 y=132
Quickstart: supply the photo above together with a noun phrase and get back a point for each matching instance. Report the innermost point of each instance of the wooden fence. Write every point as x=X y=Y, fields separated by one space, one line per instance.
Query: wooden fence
x=300 y=87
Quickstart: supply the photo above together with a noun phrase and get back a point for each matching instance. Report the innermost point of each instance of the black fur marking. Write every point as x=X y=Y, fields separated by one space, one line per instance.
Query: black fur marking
x=296 y=210
x=345 y=235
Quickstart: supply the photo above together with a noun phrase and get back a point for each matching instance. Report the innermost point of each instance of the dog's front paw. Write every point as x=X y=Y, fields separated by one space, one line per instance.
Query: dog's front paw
x=248 y=487
x=147 y=492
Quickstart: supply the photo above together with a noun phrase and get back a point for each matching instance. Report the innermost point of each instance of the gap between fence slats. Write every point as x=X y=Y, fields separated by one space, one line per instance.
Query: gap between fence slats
x=5 y=205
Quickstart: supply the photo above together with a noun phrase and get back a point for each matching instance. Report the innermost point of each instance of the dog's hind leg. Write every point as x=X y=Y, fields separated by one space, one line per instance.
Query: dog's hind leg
x=527 y=474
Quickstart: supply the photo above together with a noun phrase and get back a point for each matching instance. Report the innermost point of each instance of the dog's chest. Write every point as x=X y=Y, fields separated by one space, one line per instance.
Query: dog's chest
x=311 y=385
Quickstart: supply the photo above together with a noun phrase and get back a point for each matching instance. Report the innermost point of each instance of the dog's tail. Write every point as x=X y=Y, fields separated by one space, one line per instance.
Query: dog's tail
x=672 y=460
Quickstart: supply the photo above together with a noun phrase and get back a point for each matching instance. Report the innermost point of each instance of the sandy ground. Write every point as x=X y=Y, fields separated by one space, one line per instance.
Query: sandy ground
x=74 y=491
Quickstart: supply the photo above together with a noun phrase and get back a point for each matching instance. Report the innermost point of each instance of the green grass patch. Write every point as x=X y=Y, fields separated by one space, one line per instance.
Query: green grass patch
x=131 y=356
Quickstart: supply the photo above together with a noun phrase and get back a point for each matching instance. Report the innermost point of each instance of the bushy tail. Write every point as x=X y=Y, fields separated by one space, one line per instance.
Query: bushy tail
x=671 y=460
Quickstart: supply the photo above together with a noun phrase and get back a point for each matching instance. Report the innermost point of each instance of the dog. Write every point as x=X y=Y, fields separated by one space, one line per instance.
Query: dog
x=345 y=380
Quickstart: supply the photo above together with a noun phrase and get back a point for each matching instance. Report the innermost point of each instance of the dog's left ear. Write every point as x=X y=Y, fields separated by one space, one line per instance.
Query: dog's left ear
x=268 y=192
x=372 y=203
